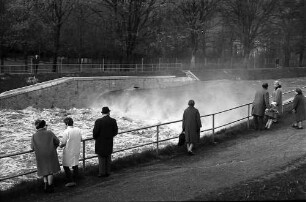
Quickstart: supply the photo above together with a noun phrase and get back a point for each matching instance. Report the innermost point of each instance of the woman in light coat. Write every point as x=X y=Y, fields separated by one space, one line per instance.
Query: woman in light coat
x=44 y=144
x=277 y=97
x=299 y=109
x=71 y=142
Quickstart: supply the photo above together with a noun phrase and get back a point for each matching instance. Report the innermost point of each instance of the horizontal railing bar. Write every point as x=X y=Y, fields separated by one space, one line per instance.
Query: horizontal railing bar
x=16 y=154
x=10 y=177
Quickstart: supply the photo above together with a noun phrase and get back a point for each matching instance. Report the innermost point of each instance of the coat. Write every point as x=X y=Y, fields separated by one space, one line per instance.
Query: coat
x=261 y=102
x=72 y=138
x=44 y=144
x=299 y=106
x=104 y=131
x=277 y=97
x=191 y=125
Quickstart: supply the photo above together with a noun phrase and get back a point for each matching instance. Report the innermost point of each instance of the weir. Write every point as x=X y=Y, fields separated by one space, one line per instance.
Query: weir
x=68 y=92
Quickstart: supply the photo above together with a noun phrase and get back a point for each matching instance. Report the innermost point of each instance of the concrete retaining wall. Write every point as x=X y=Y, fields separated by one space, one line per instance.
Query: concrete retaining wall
x=81 y=91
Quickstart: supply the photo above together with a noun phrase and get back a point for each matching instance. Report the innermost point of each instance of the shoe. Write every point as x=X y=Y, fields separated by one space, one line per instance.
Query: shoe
x=70 y=184
x=190 y=153
x=50 y=188
x=299 y=127
x=294 y=126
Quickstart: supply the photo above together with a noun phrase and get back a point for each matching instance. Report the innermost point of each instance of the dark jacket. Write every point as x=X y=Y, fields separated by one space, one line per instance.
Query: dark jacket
x=104 y=131
x=261 y=102
x=191 y=125
x=299 y=106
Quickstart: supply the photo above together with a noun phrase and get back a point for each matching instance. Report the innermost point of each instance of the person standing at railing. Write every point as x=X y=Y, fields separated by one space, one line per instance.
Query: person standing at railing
x=105 y=129
x=44 y=144
x=35 y=62
x=191 y=126
x=71 y=142
x=260 y=104
x=277 y=97
x=299 y=109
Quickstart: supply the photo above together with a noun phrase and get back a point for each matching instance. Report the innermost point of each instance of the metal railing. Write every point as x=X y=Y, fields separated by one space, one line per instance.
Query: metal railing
x=158 y=141
x=87 y=68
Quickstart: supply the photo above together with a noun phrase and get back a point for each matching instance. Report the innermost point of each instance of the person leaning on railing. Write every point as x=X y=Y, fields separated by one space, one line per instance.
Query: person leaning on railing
x=71 y=142
x=44 y=144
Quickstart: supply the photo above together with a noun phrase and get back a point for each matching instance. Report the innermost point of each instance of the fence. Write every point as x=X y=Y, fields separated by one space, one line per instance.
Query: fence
x=158 y=141
x=87 y=68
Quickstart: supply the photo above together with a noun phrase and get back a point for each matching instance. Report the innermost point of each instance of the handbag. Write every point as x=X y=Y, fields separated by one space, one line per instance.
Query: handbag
x=181 y=139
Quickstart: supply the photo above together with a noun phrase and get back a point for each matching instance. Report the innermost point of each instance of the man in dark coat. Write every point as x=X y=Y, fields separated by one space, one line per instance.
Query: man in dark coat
x=191 y=126
x=260 y=104
x=104 y=131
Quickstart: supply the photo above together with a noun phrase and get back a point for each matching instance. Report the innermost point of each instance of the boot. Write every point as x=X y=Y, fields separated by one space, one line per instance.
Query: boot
x=50 y=188
x=45 y=186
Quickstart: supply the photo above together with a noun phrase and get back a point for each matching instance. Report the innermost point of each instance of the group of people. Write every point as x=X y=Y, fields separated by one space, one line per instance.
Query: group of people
x=44 y=143
x=262 y=107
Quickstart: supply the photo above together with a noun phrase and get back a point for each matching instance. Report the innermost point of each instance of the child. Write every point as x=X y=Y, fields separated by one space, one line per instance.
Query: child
x=271 y=114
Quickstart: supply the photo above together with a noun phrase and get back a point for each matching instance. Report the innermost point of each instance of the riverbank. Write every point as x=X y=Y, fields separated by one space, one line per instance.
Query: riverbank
x=244 y=165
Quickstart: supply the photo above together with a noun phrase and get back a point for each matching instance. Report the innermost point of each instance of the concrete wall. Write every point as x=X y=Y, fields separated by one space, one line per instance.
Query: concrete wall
x=80 y=91
x=250 y=74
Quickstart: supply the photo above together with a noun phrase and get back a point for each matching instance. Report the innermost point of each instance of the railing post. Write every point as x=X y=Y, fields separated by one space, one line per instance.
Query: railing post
x=83 y=155
x=213 y=128
x=248 y=116
x=157 y=139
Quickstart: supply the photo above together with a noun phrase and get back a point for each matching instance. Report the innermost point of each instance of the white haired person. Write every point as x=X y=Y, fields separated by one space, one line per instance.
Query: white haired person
x=191 y=126
x=44 y=144
x=277 y=98
x=71 y=142
x=299 y=109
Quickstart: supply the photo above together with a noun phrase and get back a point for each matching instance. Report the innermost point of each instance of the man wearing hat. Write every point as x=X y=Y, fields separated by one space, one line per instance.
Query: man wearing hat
x=260 y=104
x=191 y=126
x=104 y=131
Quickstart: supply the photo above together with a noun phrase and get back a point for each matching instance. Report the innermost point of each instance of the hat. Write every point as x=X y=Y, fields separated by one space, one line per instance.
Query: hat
x=265 y=85
x=191 y=102
x=40 y=123
x=277 y=83
x=298 y=90
x=105 y=110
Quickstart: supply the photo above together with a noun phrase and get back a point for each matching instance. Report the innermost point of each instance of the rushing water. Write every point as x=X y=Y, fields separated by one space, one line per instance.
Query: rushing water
x=132 y=109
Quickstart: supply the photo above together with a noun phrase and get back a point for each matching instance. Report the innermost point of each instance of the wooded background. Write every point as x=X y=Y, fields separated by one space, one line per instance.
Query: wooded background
x=126 y=31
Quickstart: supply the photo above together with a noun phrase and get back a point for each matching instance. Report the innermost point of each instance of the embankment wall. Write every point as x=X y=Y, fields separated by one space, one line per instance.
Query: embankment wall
x=71 y=92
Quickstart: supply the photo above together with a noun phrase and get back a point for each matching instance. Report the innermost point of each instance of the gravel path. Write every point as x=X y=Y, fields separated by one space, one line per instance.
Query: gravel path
x=187 y=177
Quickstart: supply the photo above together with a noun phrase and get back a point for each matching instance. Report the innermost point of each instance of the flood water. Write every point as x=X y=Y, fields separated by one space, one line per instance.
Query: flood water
x=133 y=108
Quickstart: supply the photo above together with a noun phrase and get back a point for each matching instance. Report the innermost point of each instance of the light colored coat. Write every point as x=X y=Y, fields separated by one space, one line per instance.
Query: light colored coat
x=261 y=102
x=44 y=144
x=191 y=125
x=277 y=97
x=72 y=138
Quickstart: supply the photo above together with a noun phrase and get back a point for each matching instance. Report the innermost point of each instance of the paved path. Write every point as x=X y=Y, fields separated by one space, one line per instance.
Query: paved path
x=187 y=177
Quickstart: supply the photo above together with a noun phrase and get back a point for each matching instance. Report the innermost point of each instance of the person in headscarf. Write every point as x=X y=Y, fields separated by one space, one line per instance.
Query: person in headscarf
x=191 y=126
x=44 y=144
x=298 y=109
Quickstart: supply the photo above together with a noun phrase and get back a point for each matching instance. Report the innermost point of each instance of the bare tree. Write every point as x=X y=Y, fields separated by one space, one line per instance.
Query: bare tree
x=5 y=27
x=249 y=20
x=195 y=17
x=131 y=18
x=55 y=13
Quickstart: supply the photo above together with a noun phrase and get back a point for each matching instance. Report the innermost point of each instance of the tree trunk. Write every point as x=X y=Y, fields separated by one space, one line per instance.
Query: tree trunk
x=25 y=55
x=1 y=57
x=287 y=50
x=56 y=46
